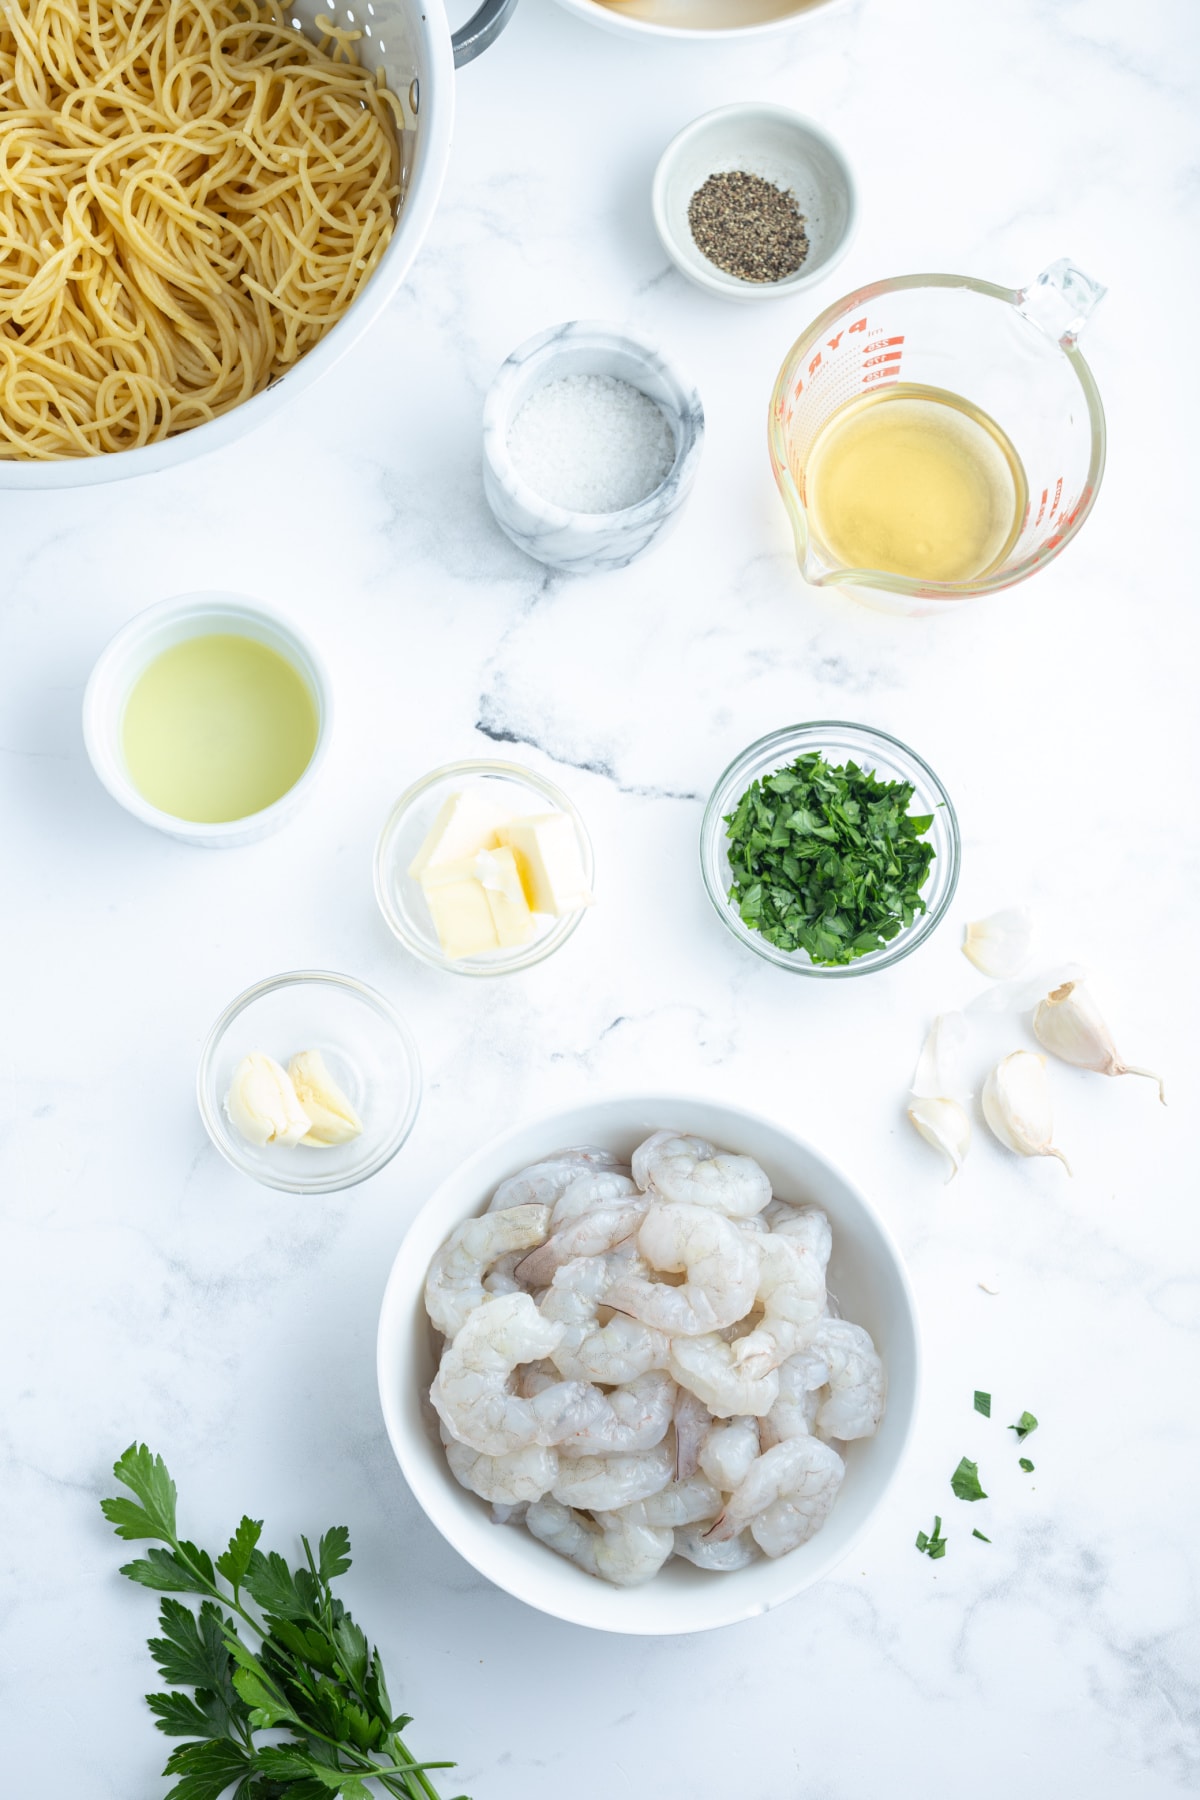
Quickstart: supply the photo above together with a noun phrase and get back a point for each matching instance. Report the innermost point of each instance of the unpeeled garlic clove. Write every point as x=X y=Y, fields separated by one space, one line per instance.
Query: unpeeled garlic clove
x=1016 y=1104
x=1068 y=1022
x=944 y=1124
x=999 y=945
x=332 y=1118
x=940 y=1073
x=262 y=1103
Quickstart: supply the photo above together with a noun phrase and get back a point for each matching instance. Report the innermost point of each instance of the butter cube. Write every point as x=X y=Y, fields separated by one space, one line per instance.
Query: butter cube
x=461 y=917
x=546 y=847
x=466 y=824
x=501 y=882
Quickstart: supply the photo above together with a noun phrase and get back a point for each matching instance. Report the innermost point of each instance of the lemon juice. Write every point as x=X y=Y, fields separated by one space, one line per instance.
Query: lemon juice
x=218 y=727
x=915 y=481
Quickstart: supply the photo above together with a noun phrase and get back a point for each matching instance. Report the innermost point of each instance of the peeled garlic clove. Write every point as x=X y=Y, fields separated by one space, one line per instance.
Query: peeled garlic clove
x=262 y=1103
x=332 y=1118
x=1016 y=1104
x=945 y=1125
x=999 y=946
x=1068 y=1022
x=940 y=1073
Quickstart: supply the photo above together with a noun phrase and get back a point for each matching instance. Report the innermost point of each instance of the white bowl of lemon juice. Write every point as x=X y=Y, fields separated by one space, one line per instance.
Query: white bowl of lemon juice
x=208 y=717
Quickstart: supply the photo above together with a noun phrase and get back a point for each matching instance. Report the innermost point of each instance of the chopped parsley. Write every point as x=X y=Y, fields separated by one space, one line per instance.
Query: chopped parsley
x=1024 y=1425
x=965 y=1481
x=983 y=1403
x=935 y=1545
x=1026 y=1465
x=980 y=1536
x=828 y=860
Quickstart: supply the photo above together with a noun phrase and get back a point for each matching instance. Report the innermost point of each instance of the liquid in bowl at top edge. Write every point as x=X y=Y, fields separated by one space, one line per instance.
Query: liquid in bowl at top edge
x=217 y=727
x=915 y=481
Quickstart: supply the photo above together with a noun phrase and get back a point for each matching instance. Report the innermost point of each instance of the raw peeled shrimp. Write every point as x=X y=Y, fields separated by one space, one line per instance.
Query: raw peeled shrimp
x=610 y=1354
x=511 y=1480
x=791 y=1292
x=690 y=1171
x=693 y=1422
x=679 y=1503
x=634 y=1417
x=786 y=1496
x=595 y=1187
x=454 y=1286
x=728 y=1452
x=591 y=1234
x=720 y=1264
x=857 y=1384
x=501 y=1278
x=705 y=1365
x=806 y=1225
x=693 y=1543
x=606 y=1483
x=625 y=1554
x=472 y=1390
x=545 y=1182
x=794 y=1414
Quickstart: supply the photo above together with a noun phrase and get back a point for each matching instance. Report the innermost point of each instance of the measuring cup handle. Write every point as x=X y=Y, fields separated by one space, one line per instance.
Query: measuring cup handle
x=1061 y=300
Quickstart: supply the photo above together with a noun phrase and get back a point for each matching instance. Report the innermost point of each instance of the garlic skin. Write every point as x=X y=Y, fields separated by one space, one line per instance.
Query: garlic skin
x=332 y=1119
x=1023 y=995
x=1069 y=1023
x=999 y=945
x=940 y=1069
x=1016 y=1105
x=944 y=1124
x=262 y=1104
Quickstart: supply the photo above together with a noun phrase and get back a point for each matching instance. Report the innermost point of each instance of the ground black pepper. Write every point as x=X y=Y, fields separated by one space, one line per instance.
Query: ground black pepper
x=748 y=226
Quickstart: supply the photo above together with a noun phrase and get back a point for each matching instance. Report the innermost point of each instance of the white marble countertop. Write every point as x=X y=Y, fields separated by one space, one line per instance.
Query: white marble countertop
x=147 y=1290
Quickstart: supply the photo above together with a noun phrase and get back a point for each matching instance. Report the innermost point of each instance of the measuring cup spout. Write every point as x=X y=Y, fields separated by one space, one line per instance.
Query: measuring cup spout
x=1061 y=300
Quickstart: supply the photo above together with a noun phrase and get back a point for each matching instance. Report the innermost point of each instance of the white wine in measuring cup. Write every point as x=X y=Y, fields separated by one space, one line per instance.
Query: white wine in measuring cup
x=915 y=481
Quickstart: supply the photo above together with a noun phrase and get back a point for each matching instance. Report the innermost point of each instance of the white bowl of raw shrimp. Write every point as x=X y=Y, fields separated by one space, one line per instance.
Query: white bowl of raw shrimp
x=865 y=1273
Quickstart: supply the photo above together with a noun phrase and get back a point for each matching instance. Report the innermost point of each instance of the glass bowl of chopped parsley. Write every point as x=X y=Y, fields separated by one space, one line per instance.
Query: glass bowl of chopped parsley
x=830 y=848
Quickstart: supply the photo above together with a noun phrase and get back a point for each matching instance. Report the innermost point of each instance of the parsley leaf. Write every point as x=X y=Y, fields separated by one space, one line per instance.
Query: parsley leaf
x=313 y=1681
x=1024 y=1425
x=932 y=1544
x=1025 y=1464
x=983 y=1403
x=965 y=1481
x=827 y=860
x=980 y=1536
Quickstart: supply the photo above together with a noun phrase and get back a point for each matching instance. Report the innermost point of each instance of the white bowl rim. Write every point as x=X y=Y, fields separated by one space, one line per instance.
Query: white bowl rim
x=728 y=1611
x=729 y=287
x=100 y=727
x=608 y=19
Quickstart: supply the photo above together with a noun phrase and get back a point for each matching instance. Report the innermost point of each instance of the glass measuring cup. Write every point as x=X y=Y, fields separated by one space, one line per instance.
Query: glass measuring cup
x=1010 y=351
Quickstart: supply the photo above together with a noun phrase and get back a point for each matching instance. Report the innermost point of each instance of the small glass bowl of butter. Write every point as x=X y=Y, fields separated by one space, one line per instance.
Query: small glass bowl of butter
x=483 y=868
x=309 y=1082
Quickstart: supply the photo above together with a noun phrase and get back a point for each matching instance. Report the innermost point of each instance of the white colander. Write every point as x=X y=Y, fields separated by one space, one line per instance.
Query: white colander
x=411 y=40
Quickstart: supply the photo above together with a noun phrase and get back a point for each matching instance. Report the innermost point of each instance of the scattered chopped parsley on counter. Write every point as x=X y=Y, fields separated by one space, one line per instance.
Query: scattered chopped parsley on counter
x=965 y=1481
x=935 y=1545
x=983 y=1403
x=1026 y=1465
x=827 y=860
x=1024 y=1425
x=980 y=1536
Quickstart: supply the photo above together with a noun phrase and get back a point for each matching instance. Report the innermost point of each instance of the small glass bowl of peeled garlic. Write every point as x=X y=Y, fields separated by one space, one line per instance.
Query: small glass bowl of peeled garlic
x=309 y=1082
x=483 y=868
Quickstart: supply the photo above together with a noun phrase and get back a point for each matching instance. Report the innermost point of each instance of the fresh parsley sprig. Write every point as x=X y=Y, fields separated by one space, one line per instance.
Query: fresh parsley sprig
x=827 y=860
x=313 y=1676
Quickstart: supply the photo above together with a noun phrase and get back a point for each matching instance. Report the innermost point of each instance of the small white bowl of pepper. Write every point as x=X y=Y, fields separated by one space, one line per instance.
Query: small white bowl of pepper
x=753 y=202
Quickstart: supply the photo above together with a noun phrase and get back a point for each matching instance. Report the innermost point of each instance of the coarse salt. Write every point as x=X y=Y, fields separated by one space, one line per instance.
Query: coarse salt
x=591 y=443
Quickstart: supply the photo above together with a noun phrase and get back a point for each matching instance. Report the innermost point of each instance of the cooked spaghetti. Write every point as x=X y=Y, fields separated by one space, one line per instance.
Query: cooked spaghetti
x=191 y=194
